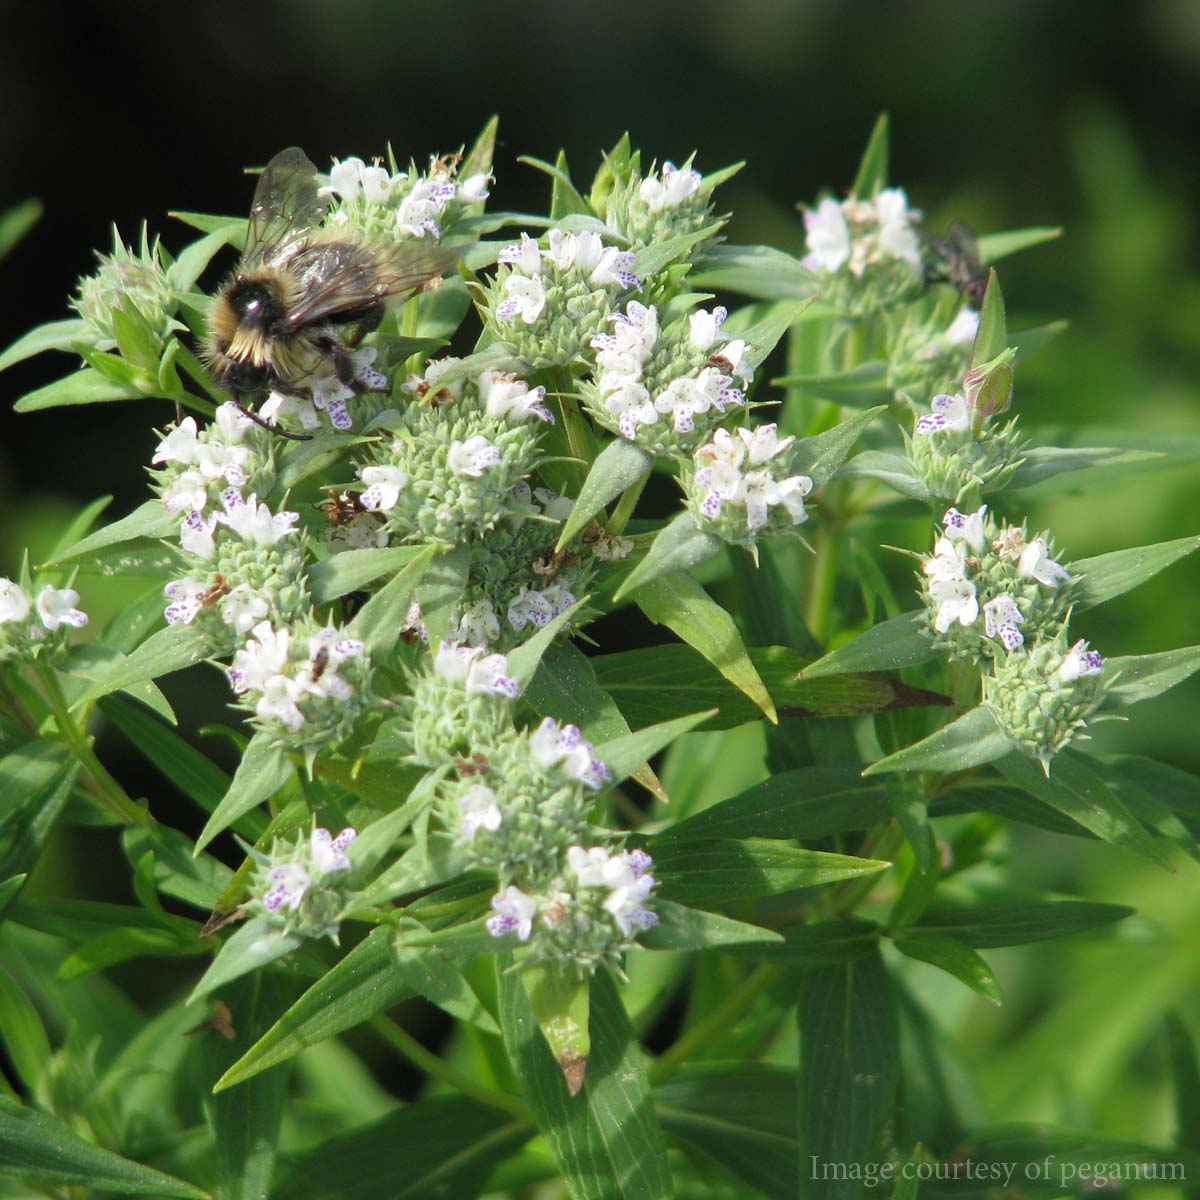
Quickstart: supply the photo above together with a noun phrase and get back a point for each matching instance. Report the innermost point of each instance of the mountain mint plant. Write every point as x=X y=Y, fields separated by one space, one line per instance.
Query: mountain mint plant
x=505 y=599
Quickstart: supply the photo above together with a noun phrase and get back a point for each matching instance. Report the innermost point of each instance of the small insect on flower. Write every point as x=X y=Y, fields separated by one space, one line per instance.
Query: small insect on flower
x=279 y=322
x=955 y=259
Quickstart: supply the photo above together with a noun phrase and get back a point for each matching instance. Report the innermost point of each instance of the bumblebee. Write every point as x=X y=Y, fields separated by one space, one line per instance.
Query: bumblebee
x=301 y=297
x=955 y=259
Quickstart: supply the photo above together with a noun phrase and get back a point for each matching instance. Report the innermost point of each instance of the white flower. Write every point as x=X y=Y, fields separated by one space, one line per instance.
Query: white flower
x=949 y=412
x=828 y=237
x=472 y=457
x=504 y=395
x=955 y=600
x=627 y=877
x=196 y=534
x=634 y=334
x=242 y=608
x=563 y=248
x=478 y=810
x=254 y=522
x=184 y=595
x=556 y=507
x=473 y=189
x=558 y=598
x=526 y=299
x=279 y=701
x=327 y=650
x=523 y=257
x=289 y=883
x=279 y=405
x=567 y=750
x=384 y=487
x=964 y=327
x=628 y=400
x=377 y=184
x=216 y=461
x=231 y=423
x=763 y=443
x=430 y=381
x=948 y=561
x=674 y=187
x=418 y=212
x=897 y=234
x=704 y=328
x=179 y=445
x=479 y=674
x=514 y=913
x=361 y=532
x=733 y=359
x=329 y=852
x=478 y=624
x=345 y=179
x=529 y=608
x=187 y=492
x=1080 y=661
x=965 y=527
x=14 y=604
x=56 y=606
x=1036 y=563
x=330 y=395
x=1002 y=618
x=264 y=656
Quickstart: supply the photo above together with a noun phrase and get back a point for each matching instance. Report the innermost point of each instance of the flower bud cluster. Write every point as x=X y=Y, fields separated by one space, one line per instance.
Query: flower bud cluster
x=667 y=203
x=306 y=685
x=448 y=472
x=403 y=205
x=546 y=304
x=1043 y=698
x=870 y=249
x=988 y=588
x=27 y=623
x=126 y=281
x=954 y=449
x=300 y=887
x=519 y=582
x=925 y=358
x=738 y=487
x=665 y=390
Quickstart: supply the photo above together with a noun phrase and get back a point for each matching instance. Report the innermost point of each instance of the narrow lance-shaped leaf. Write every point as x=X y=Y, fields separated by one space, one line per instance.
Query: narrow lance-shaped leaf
x=354 y=569
x=250 y=948
x=624 y=755
x=955 y=958
x=170 y=649
x=991 y=338
x=679 y=546
x=560 y=1004
x=682 y=928
x=1109 y=575
x=1144 y=676
x=619 y=466
x=873 y=167
x=1017 y=923
x=971 y=741
x=263 y=770
x=889 y=646
x=379 y=621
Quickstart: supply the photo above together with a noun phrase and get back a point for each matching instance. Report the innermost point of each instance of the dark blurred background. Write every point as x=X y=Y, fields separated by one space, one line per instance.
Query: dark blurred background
x=1005 y=115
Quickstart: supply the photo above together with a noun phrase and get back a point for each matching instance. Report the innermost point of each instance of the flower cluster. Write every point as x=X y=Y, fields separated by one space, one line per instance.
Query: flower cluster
x=404 y=205
x=738 y=486
x=546 y=304
x=652 y=387
x=448 y=472
x=989 y=586
x=300 y=886
x=872 y=248
x=28 y=623
x=670 y=201
x=926 y=357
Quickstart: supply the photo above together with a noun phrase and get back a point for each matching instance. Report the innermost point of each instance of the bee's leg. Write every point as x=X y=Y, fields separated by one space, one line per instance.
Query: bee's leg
x=283 y=433
x=368 y=321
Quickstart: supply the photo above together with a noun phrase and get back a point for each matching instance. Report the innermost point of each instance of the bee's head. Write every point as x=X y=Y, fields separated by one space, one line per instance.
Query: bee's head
x=255 y=302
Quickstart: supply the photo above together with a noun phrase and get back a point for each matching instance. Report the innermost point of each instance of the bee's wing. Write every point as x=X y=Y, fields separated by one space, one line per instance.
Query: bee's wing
x=285 y=211
x=963 y=236
x=337 y=276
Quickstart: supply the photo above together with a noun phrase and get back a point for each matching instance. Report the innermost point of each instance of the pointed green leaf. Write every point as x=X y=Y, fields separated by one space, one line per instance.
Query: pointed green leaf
x=1109 y=575
x=479 y=159
x=57 y=335
x=560 y=1005
x=972 y=740
x=849 y=1068
x=250 y=948
x=624 y=755
x=619 y=466
x=761 y=272
x=352 y=570
x=1016 y=924
x=435 y=972
x=16 y=222
x=440 y=589
x=823 y=944
x=264 y=769
x=742 y=1115
x=863 y=384
x=680 y=545
x=873 y=167
x=379 y=621
x=88 y=386
x=994 y=246
x=170 y=649
x=682 y=928
x=208 y=223
x=1040 y=463
x=565 y=198
x=765 y=333
x=719 y=872
x=1076 y=790
x=606 y=1141
x=35 y=1145
x=955 y=958
x=891 y=469
x=1144 y=676
x=194 y=259
x=821 y=456
x=22 y=1033
x=683 y=606
x=991 y=339
x=888 y=646
x=523 y=661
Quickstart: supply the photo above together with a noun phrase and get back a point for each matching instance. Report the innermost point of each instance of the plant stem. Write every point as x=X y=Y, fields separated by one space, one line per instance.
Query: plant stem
x=625 y=506
x=717 y=1021
x=193 y=368
x=828 y=548
x=400 y=1039
x=109 y=792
